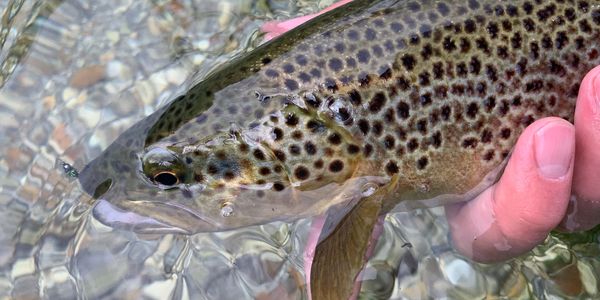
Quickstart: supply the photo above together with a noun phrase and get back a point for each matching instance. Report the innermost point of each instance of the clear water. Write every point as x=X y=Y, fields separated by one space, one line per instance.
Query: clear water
x=75 y=74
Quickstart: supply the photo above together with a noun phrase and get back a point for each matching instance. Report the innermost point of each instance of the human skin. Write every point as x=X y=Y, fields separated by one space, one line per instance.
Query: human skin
x=552 y=160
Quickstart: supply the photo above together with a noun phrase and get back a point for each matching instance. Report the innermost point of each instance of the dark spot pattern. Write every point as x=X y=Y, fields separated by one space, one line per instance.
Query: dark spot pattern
x=412 y=87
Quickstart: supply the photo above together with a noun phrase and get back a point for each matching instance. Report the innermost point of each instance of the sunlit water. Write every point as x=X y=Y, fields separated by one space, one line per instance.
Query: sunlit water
x=75 y=74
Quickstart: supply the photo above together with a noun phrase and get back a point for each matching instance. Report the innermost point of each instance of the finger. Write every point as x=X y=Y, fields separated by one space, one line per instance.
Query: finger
x=584 y=209
x=529 y=200
x=274 y=29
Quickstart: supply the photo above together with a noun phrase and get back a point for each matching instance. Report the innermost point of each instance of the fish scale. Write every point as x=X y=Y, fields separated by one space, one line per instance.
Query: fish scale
x=421 y=101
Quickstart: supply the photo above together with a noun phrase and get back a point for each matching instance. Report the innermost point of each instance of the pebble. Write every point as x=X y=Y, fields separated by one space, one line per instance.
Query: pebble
x=49 y=102
x=145 y=92
x=113 y=36
x=89 y=115
x=118 y=70
x=87 y=76
x=60 y=139
x=177 y=76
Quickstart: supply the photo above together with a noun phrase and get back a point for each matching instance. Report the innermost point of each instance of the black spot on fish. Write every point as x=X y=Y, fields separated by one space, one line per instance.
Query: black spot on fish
x=304 y=77
x=291 y=84
x=335 y=64
x=489 y=103
x=377 y=128
x=350 y=62
x=278 y=133
x=294 y=149
x=391 y=168
x=396 y=27
x=228 y=175
x=486 y=136
x=408 y=61
x=529 y=25
x=278 y=186
x=512 y=10
x=355 y=97
x=377 y=102
x=364 y=126
x=352 y=149
x=364 y=79
x=334 y=139
x=301 y=60
x=266 y=60
x=264 y=171
x=336 y=166
x=561 y=40
x=436 y=139
x=291 y=120
x=449 y=44
x=363 y=56
x=402 y=83
x=469 y=143
x=422 y=163
x=271 y=73
x=443 y=8
x=367 y=150
x=412 y=145
x=389 y=142
x=310 y=148
x=258 y=154
x=288 y=68
x=353 y=35
x=403 y=110
x=301 y=173
x=385 y=72
x=315 y=72
x=330 y=84
x=279 y=155
x=424 y=78
x=370 y=34
x=377 y=50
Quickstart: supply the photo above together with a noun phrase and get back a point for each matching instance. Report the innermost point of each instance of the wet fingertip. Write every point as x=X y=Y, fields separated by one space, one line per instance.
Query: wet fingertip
x=590 y=89
x=554 y=145
x=595 y=103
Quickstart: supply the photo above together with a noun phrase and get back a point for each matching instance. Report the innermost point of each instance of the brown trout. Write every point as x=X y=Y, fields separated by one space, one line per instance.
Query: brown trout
x=373 y=106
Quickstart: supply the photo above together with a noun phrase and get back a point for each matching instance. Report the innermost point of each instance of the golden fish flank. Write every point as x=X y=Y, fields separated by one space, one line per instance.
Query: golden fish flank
x=381 y=103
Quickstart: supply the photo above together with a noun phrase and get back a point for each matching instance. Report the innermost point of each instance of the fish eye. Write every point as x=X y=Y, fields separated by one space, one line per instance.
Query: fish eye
x=166 y=178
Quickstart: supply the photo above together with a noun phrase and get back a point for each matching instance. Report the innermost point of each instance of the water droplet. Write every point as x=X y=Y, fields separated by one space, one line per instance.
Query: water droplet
x=424 y=187
x=369 y=189
x=339 y=109
x=227 y=209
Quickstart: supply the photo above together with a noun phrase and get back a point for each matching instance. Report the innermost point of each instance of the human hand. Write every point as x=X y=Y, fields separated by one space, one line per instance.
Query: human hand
x=552 y=180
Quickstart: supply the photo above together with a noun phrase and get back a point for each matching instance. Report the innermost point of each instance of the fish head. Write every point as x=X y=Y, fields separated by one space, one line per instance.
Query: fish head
x=217 y=183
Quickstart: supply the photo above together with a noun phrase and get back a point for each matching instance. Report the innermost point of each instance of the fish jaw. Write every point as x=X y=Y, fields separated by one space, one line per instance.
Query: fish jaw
x=181 y=220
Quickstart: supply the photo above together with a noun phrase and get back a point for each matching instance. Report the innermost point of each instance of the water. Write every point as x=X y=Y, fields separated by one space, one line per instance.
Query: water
x=75 y=74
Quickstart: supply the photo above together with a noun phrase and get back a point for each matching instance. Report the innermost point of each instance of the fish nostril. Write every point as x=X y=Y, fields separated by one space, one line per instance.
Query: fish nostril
x=166 y=178
x=102 y=188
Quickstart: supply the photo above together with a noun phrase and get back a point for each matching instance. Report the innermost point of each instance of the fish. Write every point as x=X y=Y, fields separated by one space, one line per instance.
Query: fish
x=373 y=107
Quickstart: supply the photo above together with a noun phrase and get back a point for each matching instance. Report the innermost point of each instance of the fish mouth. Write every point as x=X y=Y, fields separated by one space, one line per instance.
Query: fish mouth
x=151 y=217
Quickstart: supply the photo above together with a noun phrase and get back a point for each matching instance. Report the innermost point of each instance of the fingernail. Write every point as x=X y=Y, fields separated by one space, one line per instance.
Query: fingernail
x=596 y=96
x=554 y=146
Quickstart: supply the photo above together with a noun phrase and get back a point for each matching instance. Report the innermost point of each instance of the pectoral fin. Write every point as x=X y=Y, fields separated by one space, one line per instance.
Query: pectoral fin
x=340 y=257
